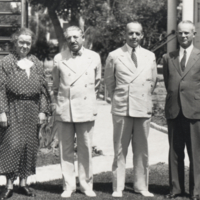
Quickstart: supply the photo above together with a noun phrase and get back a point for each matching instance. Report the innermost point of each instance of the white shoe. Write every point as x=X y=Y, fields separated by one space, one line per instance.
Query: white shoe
x=117 y=194
x=146 y=193
x=90 y=193
x=66 y=194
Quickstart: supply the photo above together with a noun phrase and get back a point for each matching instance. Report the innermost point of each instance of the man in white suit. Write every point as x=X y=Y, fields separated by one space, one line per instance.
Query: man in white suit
x=75 y=83
x=130 y=77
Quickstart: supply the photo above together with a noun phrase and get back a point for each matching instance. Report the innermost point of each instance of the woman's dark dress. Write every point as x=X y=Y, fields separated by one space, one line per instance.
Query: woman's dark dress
x=22 y=99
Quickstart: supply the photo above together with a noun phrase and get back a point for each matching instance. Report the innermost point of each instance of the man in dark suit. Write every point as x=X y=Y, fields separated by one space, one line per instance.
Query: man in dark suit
x=181 y=70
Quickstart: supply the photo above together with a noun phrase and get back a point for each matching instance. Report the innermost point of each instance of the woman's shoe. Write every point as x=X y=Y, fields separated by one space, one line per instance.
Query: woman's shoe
x=7 y=193
x=26 y=191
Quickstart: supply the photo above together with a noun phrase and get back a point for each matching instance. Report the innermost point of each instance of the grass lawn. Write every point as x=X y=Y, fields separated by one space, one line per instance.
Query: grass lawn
x=158 y=184
x=50 y=157
x=47 y=157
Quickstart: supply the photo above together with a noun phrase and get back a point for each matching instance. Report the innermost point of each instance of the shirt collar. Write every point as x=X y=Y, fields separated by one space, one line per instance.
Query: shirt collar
x=188 y=50
x=130 y=48
x=80 y=52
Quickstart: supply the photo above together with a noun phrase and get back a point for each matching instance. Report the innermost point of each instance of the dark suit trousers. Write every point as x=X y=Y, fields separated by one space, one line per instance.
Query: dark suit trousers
x=184 y=132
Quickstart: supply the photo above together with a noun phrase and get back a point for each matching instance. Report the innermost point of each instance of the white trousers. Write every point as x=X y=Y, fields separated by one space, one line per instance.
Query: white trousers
x=128 y=129
x=66 y=133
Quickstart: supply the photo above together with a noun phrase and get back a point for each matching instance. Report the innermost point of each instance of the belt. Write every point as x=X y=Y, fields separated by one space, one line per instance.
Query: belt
x=23 y=97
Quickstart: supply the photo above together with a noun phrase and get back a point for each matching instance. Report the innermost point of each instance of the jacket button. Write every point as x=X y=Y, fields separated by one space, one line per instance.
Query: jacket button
x=85 y=85
x=85 y=98
x=86 y=73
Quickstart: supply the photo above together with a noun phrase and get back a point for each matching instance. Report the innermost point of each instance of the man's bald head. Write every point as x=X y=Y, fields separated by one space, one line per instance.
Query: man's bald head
x=132 y=23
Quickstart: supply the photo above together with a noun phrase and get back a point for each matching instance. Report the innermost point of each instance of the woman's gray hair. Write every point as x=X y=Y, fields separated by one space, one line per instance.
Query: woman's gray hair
x=23 y=31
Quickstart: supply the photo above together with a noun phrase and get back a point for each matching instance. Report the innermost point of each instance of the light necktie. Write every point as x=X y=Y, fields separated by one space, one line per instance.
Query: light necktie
x=134 y=57
x=183 y=61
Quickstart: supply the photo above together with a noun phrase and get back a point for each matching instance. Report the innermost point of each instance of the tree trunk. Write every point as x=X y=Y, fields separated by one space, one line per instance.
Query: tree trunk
x=37 y=24
x=82 y=23
x=74 y=21
x=57 y=27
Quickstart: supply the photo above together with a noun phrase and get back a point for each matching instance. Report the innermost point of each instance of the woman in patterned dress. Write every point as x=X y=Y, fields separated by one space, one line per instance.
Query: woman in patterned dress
x=24 y=103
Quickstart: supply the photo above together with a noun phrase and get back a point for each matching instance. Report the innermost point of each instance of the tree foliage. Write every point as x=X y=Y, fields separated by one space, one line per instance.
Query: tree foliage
x=104 y=21
x=107 y=21
x=13 y=20
x=67 y=9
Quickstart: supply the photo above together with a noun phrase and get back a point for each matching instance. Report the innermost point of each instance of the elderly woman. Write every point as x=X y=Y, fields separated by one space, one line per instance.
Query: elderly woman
x=24 y=103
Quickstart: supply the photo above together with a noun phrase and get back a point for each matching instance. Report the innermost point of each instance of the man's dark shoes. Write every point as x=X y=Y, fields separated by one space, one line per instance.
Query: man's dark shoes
x=173 y=196
x=26 y=191
x=7 y=193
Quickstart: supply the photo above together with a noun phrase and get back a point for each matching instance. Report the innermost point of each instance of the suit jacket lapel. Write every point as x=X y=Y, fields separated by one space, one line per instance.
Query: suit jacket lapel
x=69 y=63
x=85 y=64
x=127 y=61
x=125 y=58
x=194 y=56
x=175 y=60
x=142 y=59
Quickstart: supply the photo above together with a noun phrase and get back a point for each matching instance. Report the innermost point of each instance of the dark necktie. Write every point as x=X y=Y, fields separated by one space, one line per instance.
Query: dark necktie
x=134 y=57
x=183 y=61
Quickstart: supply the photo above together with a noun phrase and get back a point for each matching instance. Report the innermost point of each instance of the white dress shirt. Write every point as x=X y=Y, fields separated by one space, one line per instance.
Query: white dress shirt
x=77 y=59
x=137 y=49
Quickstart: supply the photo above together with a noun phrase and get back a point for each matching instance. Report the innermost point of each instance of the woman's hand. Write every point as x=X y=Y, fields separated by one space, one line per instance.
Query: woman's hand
x=42 y=118
x=3 y=120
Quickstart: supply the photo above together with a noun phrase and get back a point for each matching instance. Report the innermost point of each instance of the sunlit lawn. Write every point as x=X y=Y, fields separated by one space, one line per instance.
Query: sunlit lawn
x=103 y=187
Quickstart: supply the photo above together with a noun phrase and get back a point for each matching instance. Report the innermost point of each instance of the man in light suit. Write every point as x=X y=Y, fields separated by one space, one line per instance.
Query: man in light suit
x=181 y=70
x=75 y=85
x=57 y=58
x=130 y=77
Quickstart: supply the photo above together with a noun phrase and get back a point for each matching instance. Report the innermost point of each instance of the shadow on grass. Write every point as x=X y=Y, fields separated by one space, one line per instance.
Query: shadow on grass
x=158 y=185
x=103 y=187
x=153 y=188
x=51 y=186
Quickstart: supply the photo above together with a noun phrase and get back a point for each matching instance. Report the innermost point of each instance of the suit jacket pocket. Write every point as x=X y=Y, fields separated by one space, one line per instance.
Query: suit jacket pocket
x=120 y=95
x=140 y=99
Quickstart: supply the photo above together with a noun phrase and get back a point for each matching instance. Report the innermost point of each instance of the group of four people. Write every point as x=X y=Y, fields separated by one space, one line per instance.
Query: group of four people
x=130 y=77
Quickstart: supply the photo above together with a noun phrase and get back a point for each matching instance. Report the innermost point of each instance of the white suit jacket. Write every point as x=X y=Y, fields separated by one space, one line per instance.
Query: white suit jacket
x=131 y=88
x=75 y=88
